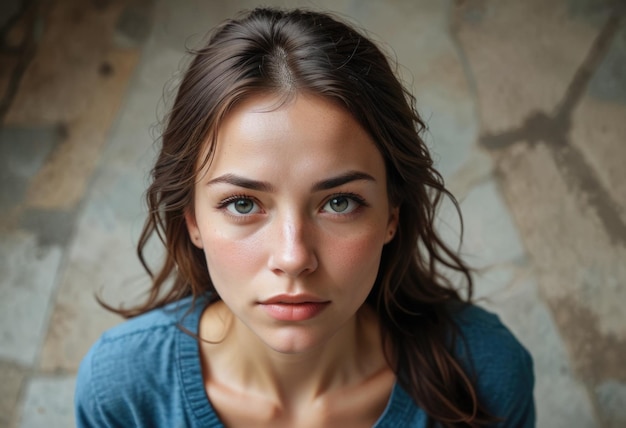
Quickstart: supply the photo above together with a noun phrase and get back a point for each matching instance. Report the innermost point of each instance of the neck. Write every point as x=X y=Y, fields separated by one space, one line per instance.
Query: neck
x=242 y=360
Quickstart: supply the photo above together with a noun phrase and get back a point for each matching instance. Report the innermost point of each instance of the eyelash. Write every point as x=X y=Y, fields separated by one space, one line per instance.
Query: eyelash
x=229 y=200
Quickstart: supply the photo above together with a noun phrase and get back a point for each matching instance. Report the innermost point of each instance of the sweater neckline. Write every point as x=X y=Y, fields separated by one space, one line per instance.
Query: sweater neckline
x=399 y=406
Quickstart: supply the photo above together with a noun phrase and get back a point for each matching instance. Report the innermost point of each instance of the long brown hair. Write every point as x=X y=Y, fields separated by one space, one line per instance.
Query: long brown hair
x=269 y=50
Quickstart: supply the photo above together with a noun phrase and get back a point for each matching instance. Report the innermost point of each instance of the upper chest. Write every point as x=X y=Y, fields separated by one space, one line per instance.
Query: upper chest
x=355 y=406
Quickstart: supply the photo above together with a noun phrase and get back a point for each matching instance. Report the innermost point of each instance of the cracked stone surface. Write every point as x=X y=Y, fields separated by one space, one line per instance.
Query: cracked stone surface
x=555 y=139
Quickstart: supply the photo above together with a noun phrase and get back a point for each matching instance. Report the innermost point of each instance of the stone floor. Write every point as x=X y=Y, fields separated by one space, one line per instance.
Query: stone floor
x=526 y=102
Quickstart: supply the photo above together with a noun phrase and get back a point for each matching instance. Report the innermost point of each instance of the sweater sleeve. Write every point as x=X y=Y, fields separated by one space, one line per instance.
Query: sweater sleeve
x=126 y=380
x=503 y=369
x=87 y=410
x=508 y=389
x=130 y=377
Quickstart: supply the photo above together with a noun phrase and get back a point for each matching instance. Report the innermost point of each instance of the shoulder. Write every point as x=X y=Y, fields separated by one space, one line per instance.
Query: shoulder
x=135 y=339
x=499 y=363
x=487 y=344
x=129 y=366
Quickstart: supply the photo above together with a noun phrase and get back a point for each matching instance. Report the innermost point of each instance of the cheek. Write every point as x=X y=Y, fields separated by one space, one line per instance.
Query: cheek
x=228 y=258
x=357 y=256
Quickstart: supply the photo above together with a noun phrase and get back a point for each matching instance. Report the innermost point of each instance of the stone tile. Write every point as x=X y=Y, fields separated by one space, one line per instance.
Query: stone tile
x=598 y=129
x=478 y=168
x=592 y=11
x=609 y=80
x=77 y=36
x=573 y=257
x=27 y=283
x=23 y=151
x=131 y=141
x=561 y=398
x=521 y=56
x=490 y=238
x=52 y=227
x=48 y=403
x=611 y=397
x=134 y=24
x=452 y=125
x=61 y=183
x=497 y=282
x=175 y=27
x=101 y=261
x=11 y=381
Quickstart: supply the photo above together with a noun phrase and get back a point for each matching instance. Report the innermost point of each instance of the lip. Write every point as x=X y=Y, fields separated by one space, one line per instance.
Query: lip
x=293 y=299
x=298 y=307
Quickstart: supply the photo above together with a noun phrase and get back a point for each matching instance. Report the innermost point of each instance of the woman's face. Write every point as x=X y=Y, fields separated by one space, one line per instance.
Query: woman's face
x=292 y=214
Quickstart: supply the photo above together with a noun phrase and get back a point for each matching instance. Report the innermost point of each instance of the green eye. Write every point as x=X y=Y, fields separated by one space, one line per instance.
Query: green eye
x=343 y=204
x=242 y=206
x=339 y=204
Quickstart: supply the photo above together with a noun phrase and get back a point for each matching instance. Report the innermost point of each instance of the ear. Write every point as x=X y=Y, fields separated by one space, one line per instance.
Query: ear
x=193 y=230
x=392 y=223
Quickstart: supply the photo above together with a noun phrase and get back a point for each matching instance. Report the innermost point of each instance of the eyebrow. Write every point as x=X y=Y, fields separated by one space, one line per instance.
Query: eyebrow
x=337 y=181
x=329 y=183
x=239 y=181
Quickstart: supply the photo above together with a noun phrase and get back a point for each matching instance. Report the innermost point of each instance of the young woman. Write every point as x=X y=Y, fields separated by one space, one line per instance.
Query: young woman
x=303 y=284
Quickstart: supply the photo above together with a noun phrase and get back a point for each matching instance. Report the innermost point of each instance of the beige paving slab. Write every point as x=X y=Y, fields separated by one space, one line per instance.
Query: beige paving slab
x=62 y=181
x=521 y=55
x=75 y=39
x=572 y=251
x=598 y=131
x=561 y=187
x=579 y=271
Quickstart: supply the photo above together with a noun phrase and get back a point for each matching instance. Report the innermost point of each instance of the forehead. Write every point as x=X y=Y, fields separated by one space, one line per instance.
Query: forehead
x=267 y=133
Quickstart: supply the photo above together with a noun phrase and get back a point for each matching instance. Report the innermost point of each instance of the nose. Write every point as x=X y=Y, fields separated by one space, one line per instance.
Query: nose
x=293 y=252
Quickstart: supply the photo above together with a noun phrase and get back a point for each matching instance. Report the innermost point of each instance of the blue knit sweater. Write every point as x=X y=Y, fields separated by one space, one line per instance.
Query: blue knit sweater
x=146 y=373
